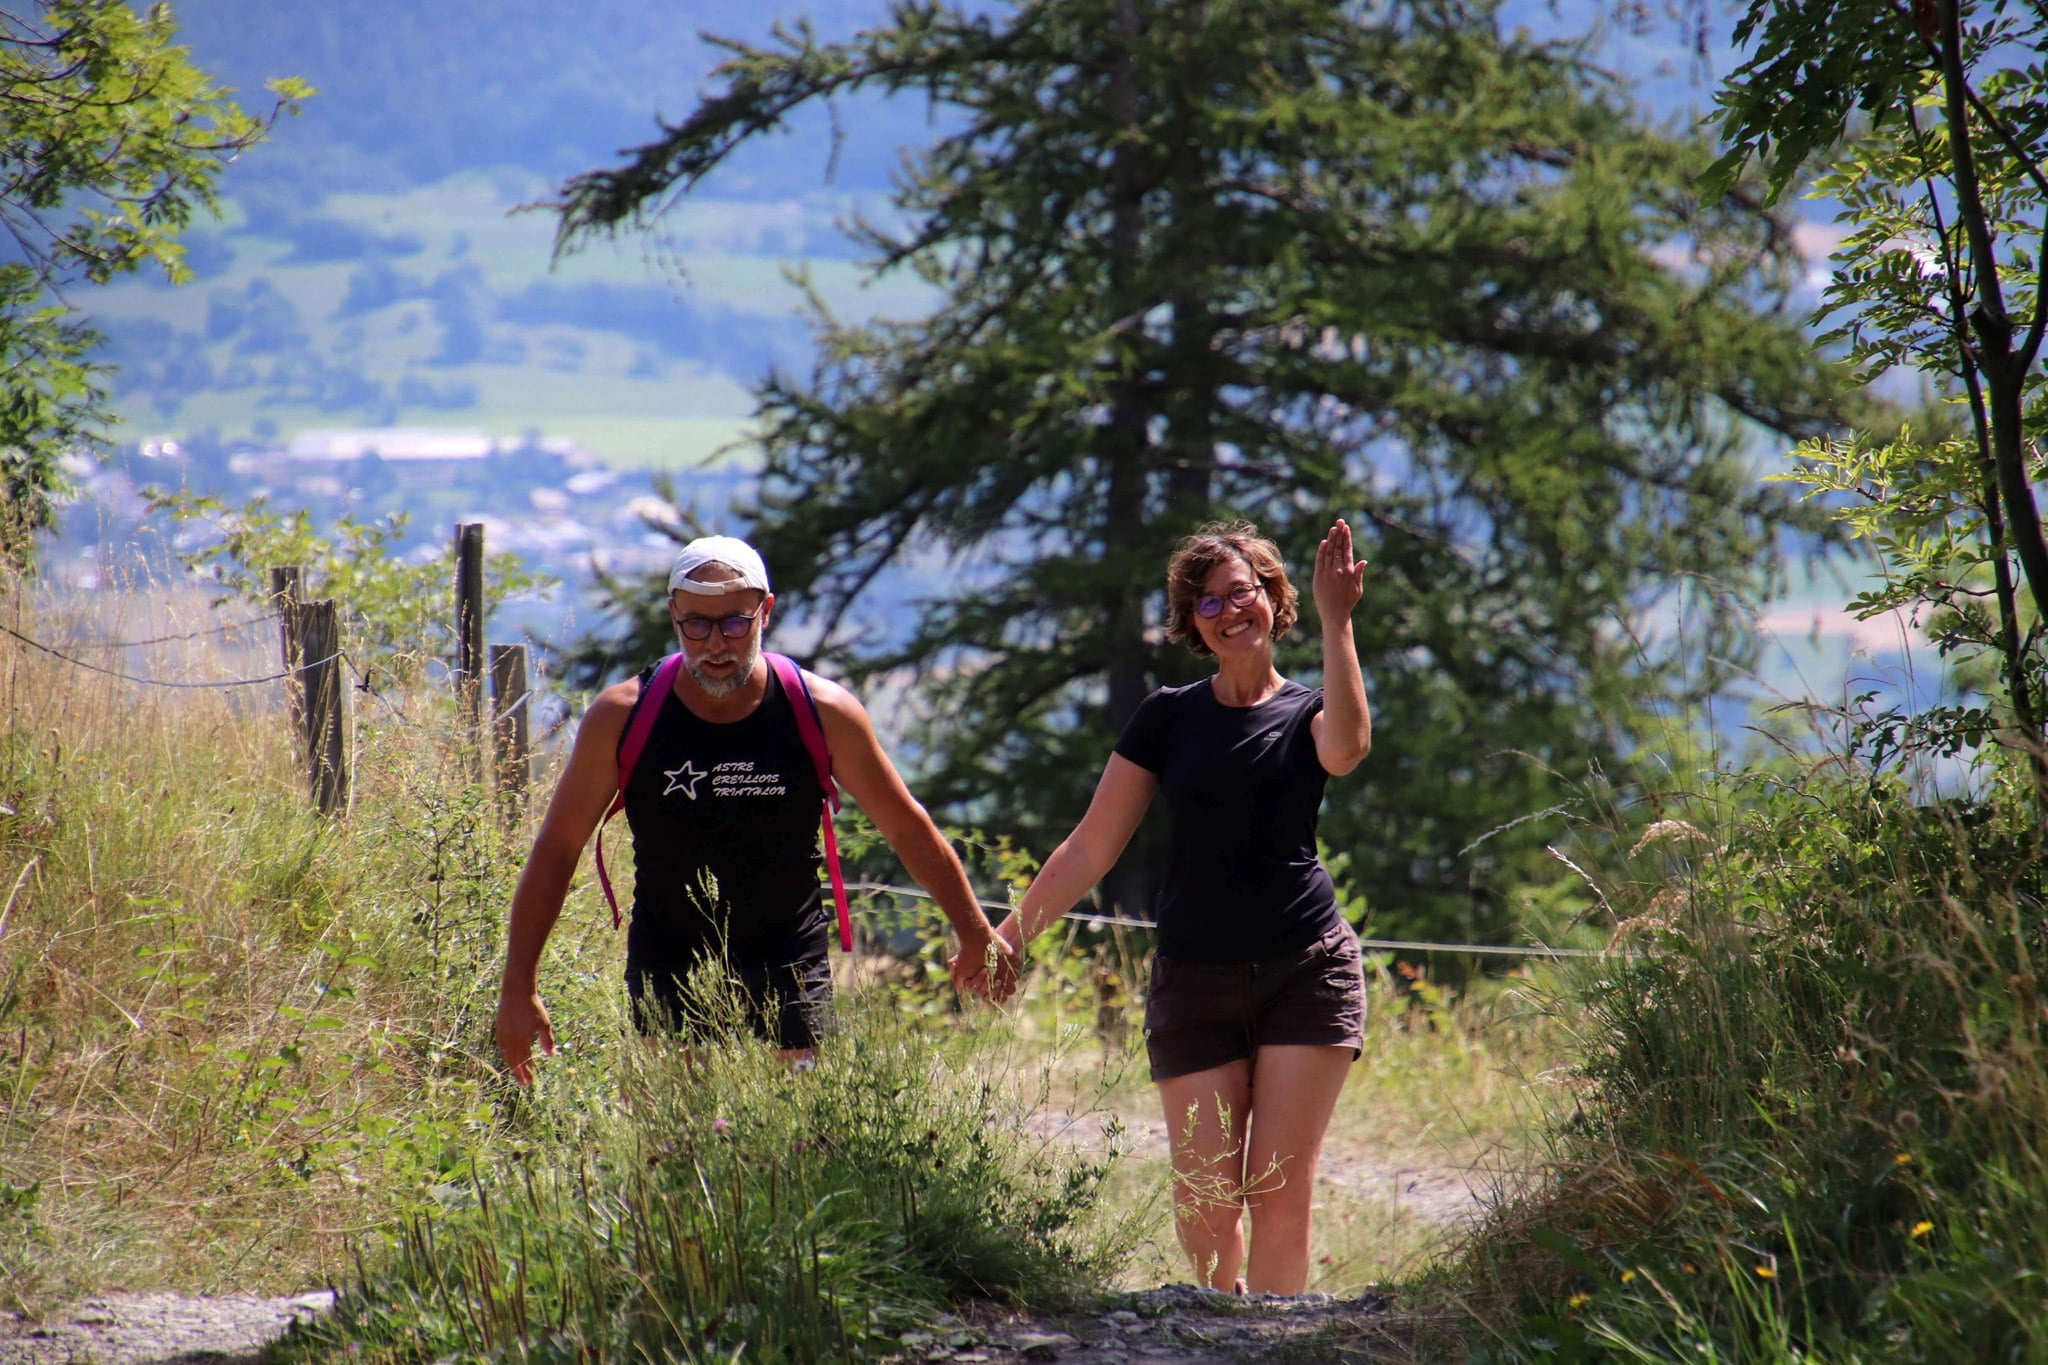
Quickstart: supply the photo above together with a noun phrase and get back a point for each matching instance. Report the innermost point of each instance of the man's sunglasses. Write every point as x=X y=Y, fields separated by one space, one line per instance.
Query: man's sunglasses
x=1242 y=595
x=732 y=627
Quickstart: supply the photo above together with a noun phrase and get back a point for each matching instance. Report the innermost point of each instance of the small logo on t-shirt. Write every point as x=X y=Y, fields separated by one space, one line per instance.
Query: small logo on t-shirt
x=684 y=778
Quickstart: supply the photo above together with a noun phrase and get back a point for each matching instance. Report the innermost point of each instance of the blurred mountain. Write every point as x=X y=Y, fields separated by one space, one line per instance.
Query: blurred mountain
x=374 y=267
x=410 y=93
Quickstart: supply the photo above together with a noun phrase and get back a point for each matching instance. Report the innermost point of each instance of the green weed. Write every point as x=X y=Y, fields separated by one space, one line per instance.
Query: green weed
x=704 y=1201
x=1810 y=1114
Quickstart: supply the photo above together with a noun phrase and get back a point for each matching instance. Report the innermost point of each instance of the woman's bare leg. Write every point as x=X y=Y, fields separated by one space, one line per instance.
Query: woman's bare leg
x=1294 y=1092
x=1205 y=1120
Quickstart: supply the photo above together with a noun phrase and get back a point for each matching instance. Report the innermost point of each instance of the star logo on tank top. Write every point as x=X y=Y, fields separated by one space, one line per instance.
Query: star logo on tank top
x=683 y=779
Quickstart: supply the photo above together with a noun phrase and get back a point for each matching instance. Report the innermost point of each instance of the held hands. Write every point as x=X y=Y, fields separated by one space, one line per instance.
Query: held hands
x=523 y=1021
x=987 y=966
x=1339 y=579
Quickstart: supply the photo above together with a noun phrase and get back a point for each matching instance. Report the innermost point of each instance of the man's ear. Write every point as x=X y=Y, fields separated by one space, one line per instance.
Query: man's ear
x=767 y=602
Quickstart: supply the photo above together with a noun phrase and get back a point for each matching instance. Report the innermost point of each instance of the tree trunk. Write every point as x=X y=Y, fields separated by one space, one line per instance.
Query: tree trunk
x=1128 y=888
x=2004 y=371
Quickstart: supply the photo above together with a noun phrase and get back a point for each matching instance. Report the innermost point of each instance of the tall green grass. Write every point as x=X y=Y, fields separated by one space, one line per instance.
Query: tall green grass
x=670 y=1202
x=1812 y=1113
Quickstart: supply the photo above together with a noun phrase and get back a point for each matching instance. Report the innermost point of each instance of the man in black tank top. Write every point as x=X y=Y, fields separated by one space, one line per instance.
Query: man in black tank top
x=723 y=805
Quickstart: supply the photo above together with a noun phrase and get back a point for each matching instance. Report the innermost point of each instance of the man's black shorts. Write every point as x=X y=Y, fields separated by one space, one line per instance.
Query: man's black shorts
x=789 y=1005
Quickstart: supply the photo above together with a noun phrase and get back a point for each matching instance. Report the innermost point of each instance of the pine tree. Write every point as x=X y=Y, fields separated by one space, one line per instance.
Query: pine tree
x=1283 y=260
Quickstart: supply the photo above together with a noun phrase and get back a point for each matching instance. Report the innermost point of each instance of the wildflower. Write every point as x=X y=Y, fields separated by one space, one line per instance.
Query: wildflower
x=1764 y=1272
x=1578 y=1300
x=1921 y=1229
x=1688 y=1267
x=1902 y=1158
x=720 y=1126
x=1627 y=1276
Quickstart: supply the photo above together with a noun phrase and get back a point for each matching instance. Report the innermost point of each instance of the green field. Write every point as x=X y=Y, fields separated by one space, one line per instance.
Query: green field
x=534 y=354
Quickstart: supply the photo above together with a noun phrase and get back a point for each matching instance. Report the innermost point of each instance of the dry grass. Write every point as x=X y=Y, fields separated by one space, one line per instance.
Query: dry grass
x=225 y=1056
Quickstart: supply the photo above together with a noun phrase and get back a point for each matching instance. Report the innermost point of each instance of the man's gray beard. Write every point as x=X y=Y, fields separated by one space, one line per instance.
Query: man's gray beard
x=732 y=682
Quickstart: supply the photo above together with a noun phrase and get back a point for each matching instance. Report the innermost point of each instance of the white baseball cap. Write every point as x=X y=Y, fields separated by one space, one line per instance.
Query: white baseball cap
x=730 y=551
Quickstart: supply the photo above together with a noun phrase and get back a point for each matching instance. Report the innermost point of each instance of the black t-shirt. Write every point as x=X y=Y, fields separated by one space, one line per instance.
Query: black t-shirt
x=740 y=803
x=1243 y=789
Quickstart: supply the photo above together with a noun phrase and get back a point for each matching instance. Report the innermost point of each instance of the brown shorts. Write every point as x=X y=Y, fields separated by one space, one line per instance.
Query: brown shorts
x=1200 y=1015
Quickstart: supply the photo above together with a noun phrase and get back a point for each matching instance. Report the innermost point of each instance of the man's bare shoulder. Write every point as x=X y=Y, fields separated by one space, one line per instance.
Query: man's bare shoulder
x=620 y=696
x=834 y=699
x=606 y=716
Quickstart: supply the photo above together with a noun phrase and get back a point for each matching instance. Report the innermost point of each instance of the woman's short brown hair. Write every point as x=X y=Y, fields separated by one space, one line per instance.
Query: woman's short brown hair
x=1195 y=557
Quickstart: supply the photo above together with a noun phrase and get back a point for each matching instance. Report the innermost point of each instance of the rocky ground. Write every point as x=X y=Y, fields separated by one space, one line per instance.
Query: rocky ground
x=1177 y=1323
x=156 y=1329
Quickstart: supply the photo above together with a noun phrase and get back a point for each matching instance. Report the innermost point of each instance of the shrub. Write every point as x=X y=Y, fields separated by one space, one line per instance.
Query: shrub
x=1812 y=1110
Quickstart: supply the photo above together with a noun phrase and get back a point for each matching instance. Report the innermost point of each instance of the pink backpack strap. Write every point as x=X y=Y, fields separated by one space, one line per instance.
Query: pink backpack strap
x=812 y=730
x=639 y=725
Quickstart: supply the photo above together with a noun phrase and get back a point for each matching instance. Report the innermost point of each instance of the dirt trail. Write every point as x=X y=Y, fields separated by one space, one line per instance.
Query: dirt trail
x=1437 y=1191
x=1176 y=1323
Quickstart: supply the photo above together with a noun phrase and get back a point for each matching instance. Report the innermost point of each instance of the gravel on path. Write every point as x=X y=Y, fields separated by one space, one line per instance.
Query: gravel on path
x=156 y=1329
x=1177 y=1323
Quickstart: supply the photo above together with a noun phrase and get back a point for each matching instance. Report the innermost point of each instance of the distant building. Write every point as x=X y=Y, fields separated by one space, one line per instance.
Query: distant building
x=337 y=445
x=380 y=460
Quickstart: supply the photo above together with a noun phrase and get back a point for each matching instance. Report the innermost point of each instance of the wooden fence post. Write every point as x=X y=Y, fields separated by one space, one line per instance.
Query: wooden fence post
x=287 y=588
x=509 y=728
x=469 y=632
x=326 y=704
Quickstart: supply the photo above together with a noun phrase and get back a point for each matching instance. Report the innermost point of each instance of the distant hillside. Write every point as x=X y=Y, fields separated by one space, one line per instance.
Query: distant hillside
x=411 y=94
x=371 y=269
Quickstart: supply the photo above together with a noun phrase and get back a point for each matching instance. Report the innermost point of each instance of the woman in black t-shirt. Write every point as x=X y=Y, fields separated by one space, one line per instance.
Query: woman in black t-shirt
x=1257 y=975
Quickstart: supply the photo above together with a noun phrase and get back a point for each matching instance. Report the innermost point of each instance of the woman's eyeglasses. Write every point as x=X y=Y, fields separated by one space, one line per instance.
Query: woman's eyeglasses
x=1240 y=595
x=731 y=627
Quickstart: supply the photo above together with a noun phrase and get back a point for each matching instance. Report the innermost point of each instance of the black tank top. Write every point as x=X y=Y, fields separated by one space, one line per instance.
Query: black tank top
x=731 y=807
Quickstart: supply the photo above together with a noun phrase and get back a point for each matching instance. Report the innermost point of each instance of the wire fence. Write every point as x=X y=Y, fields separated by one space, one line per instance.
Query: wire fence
x=56 y=653
x=518 y=705
x=1537 y=950
x=319 y=674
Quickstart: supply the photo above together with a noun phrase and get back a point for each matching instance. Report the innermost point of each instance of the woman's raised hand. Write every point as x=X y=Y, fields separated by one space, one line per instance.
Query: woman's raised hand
x=1339 y=579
